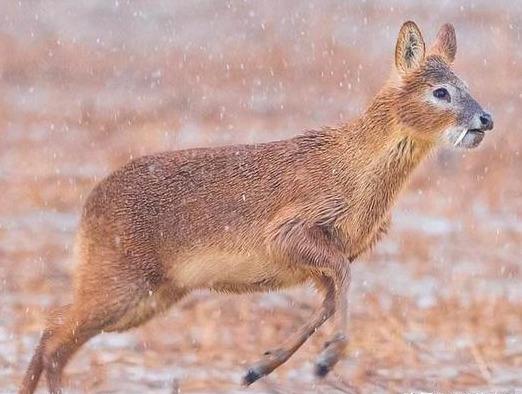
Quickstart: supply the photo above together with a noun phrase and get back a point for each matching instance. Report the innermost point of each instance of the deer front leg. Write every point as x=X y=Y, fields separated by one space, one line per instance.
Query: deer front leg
x=310 y=248
x=273 y=359
x=335 y=348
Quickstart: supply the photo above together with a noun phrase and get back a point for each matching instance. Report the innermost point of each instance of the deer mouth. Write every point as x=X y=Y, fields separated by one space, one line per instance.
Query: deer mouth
x=470 y=138
x=477 y=137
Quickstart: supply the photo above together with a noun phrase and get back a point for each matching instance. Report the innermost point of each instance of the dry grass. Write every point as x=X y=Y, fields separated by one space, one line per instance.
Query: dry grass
x=436 y=307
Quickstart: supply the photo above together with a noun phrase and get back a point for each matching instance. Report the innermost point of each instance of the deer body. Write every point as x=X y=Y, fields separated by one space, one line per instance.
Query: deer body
x=250 y=218
x=206 y=221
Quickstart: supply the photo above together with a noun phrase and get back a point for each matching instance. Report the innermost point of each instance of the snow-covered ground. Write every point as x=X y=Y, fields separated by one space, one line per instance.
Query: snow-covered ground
x=87 y=85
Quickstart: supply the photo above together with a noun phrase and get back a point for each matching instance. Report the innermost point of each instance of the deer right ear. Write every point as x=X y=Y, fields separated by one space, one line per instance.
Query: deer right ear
x=410 y=48
x=445 y=44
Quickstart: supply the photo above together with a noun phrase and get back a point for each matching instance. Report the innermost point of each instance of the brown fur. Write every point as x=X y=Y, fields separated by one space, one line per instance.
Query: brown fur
x=247 y=218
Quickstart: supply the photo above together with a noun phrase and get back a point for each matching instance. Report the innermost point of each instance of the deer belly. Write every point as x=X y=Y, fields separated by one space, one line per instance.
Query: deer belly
x=233 y=272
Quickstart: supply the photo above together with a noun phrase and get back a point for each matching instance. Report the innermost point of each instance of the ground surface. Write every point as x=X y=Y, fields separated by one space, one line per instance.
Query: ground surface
x=85 y=86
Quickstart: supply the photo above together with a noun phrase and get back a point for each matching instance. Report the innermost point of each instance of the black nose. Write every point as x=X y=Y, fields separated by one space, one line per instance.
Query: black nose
x=486 y=121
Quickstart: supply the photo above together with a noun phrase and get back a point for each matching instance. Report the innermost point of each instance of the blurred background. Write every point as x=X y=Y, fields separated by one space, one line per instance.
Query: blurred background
x=87 y=85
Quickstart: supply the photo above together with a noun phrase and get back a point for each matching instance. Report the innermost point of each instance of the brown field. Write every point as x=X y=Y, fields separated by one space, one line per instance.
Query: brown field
x=86 y=86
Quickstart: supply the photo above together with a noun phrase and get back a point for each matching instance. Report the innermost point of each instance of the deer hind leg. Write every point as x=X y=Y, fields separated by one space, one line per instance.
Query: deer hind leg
x=273 y=359
x=36 y=365
x=64 y=337
x=59 y=340
x=108 y=317
x=70 y=327
x=121 y=314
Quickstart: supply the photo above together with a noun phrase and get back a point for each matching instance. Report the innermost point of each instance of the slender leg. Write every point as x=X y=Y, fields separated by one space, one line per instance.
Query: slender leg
x=335 y=348
x=61 y=347
x=314 y=249
x=71 y=326
x=273 y=359
x=36 y=366
x=129 y=311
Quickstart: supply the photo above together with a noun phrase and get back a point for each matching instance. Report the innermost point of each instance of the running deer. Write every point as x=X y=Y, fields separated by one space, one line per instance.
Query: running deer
x=259 y=217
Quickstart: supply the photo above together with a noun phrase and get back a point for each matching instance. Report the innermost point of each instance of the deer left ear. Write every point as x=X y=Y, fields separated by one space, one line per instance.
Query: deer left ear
x=410 y=48
x=445 y=44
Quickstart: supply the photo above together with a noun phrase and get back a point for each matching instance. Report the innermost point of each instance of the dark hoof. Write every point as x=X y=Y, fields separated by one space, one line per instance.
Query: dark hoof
x=321 y=369
x=251 y=376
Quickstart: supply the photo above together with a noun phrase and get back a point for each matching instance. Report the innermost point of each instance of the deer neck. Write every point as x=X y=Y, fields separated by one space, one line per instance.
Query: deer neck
x=383 y=155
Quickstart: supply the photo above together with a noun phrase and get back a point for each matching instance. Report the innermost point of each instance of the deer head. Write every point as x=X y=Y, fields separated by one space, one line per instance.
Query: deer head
x=431 y=102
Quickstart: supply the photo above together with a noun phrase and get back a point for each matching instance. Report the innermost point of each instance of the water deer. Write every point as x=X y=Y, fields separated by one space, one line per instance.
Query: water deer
x=259 y=217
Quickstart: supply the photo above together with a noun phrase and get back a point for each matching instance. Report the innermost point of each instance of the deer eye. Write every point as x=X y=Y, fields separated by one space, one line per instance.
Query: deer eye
x=442 y=94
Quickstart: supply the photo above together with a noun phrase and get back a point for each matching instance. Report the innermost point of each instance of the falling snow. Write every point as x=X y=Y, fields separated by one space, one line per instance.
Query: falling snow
x=88 y=85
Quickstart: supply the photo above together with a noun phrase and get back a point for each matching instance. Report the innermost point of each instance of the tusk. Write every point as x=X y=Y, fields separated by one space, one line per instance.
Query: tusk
x=461 y=137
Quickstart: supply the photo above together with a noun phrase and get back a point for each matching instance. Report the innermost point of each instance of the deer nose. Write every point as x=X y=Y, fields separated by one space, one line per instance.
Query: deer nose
x=486 y=121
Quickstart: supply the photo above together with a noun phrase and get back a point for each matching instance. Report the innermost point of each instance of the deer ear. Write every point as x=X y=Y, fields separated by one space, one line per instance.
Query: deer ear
x=410 y=48
x=445 y=44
